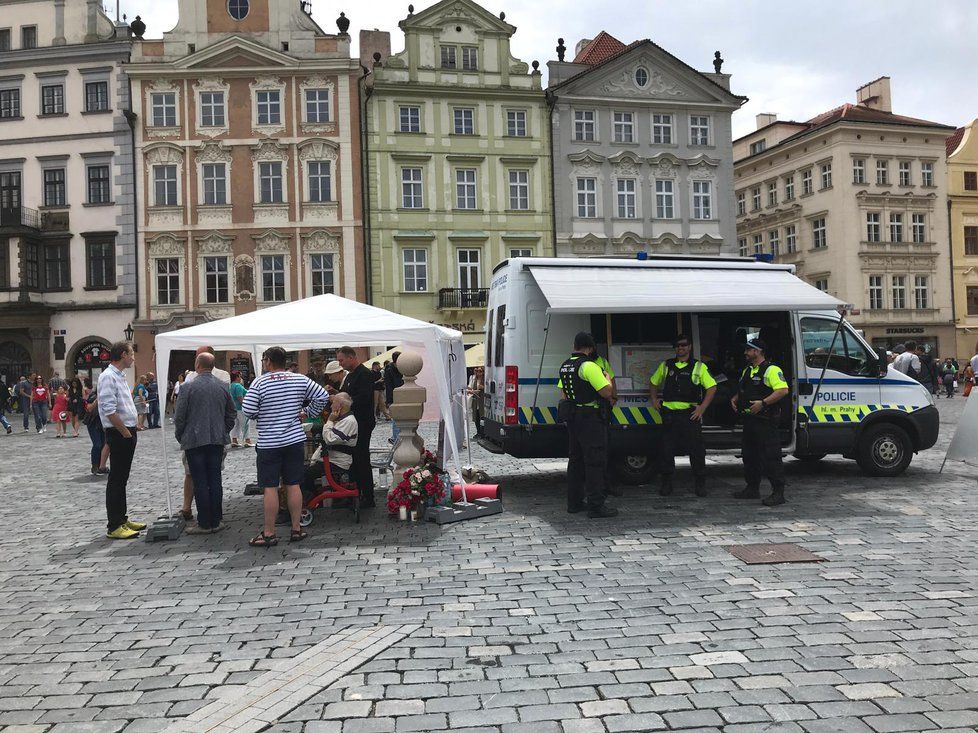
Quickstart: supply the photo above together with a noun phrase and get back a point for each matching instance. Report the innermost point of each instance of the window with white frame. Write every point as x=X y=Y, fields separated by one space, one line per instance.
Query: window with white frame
x=269 y=106
x=519 y=190
x=215 y=180
x=919 y=227
x=99 y=185
x=272 y=278
x=9 y=103
x=469 y=269
x=584 y=125
x=806 y=182
x=96 y=96
x=758 y=241
x=826 y=173
x=165 y=185
x=587 y=198
x=415 y=270
x=662 y=129
x=411 y=189
x=270 y=182
x=464 y=118
x=758 y=147
x=791 y=238
x=742 y=247
x=320 y=174
x=741 y=203
x=882 y=172
x=624 y=128
x=702 y=200
x=321 y=273
x=664 y=199
x=516 y=122
x=410 y=118
x=470 y=58
x=449 y=57
x=906 y=173
x=53 y=99
x=699 y=130
x=874 y=229
x=215 y=279
x=212 y=112
x=626 y=197
x=520 y=252
x=317 y=105
x=789 y=188
x=465 y=189
x=927 y=175
x=858 y=170
x=167 y=281
x=921 y=292
x=896 y=227
x=822 y=283
x=774 y=242
x=899 y=291
x=55 y=193
x=163 y=109
x=819 y=237
x=755 y=198
x=876 y=292
x=772 y=194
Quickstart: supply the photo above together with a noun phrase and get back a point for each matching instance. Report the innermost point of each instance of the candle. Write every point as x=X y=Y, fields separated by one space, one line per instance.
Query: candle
x=414 y=515
x=402 y=513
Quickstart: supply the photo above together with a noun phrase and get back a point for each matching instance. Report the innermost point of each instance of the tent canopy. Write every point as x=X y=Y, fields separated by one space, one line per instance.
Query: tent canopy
x=475 y=356
x=381 y=358
x=666 y=288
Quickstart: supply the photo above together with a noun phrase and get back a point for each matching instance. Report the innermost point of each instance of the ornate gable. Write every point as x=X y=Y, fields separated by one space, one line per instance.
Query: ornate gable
x=466 y=11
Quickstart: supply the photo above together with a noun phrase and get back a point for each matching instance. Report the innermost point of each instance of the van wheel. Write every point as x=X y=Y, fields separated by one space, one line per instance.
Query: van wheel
x=884 y=450
x=635 y=470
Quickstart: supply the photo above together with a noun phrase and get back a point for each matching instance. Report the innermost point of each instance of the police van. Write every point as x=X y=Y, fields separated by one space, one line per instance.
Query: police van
x=846 y=399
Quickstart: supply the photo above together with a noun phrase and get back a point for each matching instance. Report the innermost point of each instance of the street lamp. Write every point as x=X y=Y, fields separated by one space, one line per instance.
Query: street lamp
x=128 y=332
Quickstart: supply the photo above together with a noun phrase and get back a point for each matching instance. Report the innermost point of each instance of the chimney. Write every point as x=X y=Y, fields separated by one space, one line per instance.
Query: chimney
x=371 y=42
x=765 y=118
x=876 y=95
x=580 y=46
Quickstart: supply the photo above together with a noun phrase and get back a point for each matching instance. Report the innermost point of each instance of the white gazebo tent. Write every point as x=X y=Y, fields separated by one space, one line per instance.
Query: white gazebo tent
x=329 y=320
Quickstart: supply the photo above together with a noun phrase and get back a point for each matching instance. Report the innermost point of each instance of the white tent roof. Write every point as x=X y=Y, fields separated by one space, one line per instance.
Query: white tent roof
x=670 y=287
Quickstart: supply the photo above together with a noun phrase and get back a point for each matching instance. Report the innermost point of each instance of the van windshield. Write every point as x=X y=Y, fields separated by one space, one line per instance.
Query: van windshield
x=847 y=355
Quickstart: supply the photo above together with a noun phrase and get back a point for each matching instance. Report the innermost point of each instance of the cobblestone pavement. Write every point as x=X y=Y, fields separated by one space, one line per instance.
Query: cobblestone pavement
x=533 y=620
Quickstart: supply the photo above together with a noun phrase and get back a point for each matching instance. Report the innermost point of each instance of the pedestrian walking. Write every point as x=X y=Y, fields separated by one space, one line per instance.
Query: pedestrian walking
x=359 y=384
x=476 y=395
x=204 y=417
x=153 y=390
x=380 y=404
x=275 y=400
x=762 y=387
x=118 y=415
x=239 y=434
x=22 y=393
x=40 y=402
x=949 y=376
x=56 y=383
x=907 y=360
x=140 y=396
x=969 y=379
x=582 y=384
x=59 y=413
x=76 y=403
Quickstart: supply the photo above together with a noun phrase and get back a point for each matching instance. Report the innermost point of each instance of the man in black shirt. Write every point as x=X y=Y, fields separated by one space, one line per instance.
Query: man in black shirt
x=359 y=384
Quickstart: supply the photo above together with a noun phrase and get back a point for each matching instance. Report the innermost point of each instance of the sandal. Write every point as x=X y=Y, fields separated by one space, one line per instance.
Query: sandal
x=298 y=535
x=263 y=540
x=188 y=516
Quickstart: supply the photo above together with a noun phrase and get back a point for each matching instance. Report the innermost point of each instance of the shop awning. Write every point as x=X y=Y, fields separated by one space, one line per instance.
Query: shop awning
x=651 y=289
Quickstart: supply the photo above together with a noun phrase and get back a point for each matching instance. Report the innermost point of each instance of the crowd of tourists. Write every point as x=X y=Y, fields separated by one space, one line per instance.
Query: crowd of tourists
x=941 y=377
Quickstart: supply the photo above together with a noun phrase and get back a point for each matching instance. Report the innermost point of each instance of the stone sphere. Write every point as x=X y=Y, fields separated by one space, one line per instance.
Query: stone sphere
x=409 y=363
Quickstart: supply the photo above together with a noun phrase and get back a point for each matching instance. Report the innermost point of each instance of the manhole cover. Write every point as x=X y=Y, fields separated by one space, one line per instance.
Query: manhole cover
x=770 y=554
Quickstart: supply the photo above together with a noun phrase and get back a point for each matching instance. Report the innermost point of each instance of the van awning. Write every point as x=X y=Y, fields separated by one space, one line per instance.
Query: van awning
x=670 y=289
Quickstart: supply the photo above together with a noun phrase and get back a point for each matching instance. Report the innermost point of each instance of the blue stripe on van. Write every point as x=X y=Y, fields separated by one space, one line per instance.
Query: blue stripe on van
x=543 y=382
x=863 y=381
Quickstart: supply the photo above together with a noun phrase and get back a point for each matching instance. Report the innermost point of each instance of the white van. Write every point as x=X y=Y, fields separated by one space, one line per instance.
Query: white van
x=846 y=400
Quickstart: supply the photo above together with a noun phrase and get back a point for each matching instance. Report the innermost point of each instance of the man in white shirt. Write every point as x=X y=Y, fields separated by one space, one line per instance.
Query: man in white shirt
x=117 y=411
x=908 y=362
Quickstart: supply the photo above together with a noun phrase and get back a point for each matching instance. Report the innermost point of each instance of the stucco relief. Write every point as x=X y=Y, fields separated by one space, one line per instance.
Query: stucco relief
x=272 y=214
x=166 y=245
x=318 y=150
x=271 y=241
x=164 y=154
x=624 y=84
x=244 y=278
x=269 y=149
x=214 y=152
x=165 y=217
x=702 y=172
x=625 y=168
x=213 y=215
x=320 y=241
x=217 y=312
x=214 y=244
x=320 y=213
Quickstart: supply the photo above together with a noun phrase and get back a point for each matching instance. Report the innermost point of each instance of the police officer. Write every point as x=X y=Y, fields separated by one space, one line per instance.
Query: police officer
x=607 y=406
x=762 y=387
x=583 y=385
x=682 y=389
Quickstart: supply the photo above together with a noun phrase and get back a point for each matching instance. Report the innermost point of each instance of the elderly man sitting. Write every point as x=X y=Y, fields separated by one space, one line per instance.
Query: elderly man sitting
x=339 y=439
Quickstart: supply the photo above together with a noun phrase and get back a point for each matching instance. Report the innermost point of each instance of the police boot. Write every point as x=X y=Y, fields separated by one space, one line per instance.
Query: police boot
x=700 y=486
x=665 y=487
x=748 y=493
x=775 y=499
x=602 y=512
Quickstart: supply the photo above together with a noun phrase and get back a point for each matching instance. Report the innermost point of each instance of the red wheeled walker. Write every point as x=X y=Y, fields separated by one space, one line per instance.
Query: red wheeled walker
x=332 y=489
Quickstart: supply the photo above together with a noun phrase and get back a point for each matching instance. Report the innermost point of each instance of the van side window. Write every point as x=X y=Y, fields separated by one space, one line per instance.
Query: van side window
x=497 y=348
x=489 y=335
x=847 y=355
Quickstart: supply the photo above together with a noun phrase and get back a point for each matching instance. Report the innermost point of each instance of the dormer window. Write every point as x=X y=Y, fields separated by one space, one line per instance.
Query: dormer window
x=641 y=77
x=238 y=9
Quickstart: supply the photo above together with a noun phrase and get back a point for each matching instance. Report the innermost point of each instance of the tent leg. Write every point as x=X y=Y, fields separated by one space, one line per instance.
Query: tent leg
x=171 y=526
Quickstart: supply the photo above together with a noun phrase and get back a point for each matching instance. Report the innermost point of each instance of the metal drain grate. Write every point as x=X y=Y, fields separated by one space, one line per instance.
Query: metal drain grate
x=772 y=554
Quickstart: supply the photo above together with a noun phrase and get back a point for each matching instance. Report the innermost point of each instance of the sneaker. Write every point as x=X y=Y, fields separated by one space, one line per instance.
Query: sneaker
x=775 y=499
x=748 y=493
x=136 y=526
x=602 y=512
x=122 y=532
x=9 y=430
x=220 y=527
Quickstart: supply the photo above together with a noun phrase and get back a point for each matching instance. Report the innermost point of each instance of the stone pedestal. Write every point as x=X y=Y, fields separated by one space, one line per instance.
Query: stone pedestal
x=406 y=412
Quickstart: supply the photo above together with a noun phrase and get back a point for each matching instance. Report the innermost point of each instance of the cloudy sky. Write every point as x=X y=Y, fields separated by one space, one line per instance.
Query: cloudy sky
x=791 y=58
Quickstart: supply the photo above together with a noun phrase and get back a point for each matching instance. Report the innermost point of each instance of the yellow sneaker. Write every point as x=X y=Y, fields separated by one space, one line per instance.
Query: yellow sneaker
x=135 y=526
x=122 y=532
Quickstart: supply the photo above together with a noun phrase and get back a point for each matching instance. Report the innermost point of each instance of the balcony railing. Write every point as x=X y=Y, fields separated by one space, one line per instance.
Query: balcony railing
x=20 y=216
x=449 y=298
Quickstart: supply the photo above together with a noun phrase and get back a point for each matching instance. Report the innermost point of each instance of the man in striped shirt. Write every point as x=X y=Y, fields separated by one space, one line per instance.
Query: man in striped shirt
x=277 y=400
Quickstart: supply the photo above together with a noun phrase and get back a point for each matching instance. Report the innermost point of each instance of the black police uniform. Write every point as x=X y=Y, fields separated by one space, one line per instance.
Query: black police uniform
x=678 y=431
x=761 y=446
x=587 y=432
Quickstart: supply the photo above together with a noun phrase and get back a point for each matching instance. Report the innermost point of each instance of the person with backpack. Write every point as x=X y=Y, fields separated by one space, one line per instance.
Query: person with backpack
x=949 y=373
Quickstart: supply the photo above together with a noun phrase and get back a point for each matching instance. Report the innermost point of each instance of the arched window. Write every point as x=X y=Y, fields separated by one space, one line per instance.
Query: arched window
x=238 y=9
x=641 y=76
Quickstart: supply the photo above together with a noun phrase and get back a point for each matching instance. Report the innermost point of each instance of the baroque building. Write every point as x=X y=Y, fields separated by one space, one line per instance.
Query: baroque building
x=642 y=151
x=962 y=190
x=458 y=164
x=247 y=164
x=856 y=199
x=68 y=279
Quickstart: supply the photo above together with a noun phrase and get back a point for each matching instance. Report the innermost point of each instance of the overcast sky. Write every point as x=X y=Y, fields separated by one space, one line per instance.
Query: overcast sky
x=792 y=58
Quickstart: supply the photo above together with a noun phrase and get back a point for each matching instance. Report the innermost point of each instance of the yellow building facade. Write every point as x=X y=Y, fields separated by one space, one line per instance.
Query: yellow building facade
x=962 y=189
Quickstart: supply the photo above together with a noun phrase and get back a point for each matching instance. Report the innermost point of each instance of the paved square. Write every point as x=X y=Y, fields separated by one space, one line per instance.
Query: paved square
x=533 y=620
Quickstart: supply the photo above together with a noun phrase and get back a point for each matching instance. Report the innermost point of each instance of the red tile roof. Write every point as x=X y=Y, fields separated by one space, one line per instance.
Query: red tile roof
x=601 y=48
x=951 y=144
x=862 y=113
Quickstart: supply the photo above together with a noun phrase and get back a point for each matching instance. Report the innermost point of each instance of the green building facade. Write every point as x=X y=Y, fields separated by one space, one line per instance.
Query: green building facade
x=458 y=163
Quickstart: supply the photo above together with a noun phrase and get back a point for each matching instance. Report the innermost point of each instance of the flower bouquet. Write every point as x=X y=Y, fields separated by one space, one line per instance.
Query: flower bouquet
x=420 y=486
